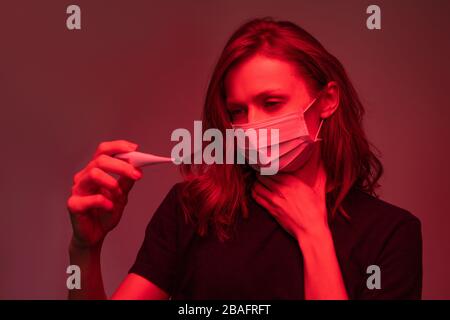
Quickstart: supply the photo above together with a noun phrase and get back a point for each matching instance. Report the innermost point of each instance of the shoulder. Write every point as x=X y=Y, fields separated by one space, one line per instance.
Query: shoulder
x=382 y=234
x=172 y=201
x=377 y=220
x=363 y=206
x=174 y=192
x=169 y=212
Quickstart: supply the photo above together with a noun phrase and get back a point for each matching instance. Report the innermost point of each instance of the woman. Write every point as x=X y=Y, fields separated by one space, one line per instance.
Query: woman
x=314 y=230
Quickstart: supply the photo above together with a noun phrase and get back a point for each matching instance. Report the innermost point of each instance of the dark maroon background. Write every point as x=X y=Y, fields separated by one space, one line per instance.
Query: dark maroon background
x=139 y=69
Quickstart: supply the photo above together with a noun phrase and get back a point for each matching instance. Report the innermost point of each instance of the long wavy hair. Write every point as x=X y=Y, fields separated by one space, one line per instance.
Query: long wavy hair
x=213 y=195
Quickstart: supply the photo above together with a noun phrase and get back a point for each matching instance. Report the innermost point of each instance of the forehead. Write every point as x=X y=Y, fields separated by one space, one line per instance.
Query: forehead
x=261 y=73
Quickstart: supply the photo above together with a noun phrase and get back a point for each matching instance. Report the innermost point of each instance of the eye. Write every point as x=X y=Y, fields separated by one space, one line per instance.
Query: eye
x=271 y=103
x=236 y=113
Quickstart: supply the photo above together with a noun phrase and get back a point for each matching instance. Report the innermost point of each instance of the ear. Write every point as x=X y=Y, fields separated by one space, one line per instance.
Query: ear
x=329 y=100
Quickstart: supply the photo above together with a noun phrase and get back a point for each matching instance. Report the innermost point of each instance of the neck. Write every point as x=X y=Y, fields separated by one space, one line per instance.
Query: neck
x=310 y=171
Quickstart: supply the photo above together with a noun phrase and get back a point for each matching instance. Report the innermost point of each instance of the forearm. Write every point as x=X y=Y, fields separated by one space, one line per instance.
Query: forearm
x=88 y=259
x=322 y=274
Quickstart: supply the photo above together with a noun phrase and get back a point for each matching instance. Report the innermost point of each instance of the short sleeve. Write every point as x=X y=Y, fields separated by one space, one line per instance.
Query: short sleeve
x=157 y=257
x=400 y=263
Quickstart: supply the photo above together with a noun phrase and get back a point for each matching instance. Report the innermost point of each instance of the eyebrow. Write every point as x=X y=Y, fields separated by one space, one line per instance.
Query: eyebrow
x=260 y=96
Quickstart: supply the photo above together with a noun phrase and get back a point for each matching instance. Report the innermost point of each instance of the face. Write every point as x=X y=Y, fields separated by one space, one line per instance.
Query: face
x=263 y=87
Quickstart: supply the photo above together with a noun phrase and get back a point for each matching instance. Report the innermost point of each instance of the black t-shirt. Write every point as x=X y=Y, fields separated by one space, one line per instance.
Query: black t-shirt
x=264 y=262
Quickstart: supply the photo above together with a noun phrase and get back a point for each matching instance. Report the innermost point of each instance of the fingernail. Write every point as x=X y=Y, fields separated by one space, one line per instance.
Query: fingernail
x=137 y=174
x=133 y=145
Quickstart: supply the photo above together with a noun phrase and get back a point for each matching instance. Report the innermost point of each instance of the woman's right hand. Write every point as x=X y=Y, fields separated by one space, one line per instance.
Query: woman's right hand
x=98 y=199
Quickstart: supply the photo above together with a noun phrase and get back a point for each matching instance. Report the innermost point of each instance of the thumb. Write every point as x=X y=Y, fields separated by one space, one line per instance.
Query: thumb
x=126 y=184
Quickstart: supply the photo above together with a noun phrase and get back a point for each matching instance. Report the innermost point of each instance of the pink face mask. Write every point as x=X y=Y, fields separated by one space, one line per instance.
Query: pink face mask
x=294 y=145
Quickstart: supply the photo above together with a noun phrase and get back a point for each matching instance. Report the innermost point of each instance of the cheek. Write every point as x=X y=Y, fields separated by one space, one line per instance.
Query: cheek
x=312 y=120
x=290 y=107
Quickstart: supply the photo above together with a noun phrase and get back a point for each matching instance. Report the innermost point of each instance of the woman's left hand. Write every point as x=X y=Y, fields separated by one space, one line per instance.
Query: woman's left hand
x=298 y=207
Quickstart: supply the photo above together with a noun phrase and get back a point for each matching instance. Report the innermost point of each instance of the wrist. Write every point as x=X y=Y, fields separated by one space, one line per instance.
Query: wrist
x=75 y=247
x=319 y=236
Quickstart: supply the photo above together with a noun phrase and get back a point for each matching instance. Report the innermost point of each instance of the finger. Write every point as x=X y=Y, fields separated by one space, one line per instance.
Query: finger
x=79 y=204
x=267 y=182
x=289 y=180
x=126 y=184
x=283 y=178
x=119 y=201
x=113 y=165
x=262 y=199
x=262 y=191
x=116 y=146
x=109 y=195
x=94 y=179
x=271 y=185
x=78 y=175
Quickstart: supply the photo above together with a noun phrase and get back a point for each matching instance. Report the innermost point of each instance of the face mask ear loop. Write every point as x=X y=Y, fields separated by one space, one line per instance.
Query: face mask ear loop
x=310 y=105
x=318 y=131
